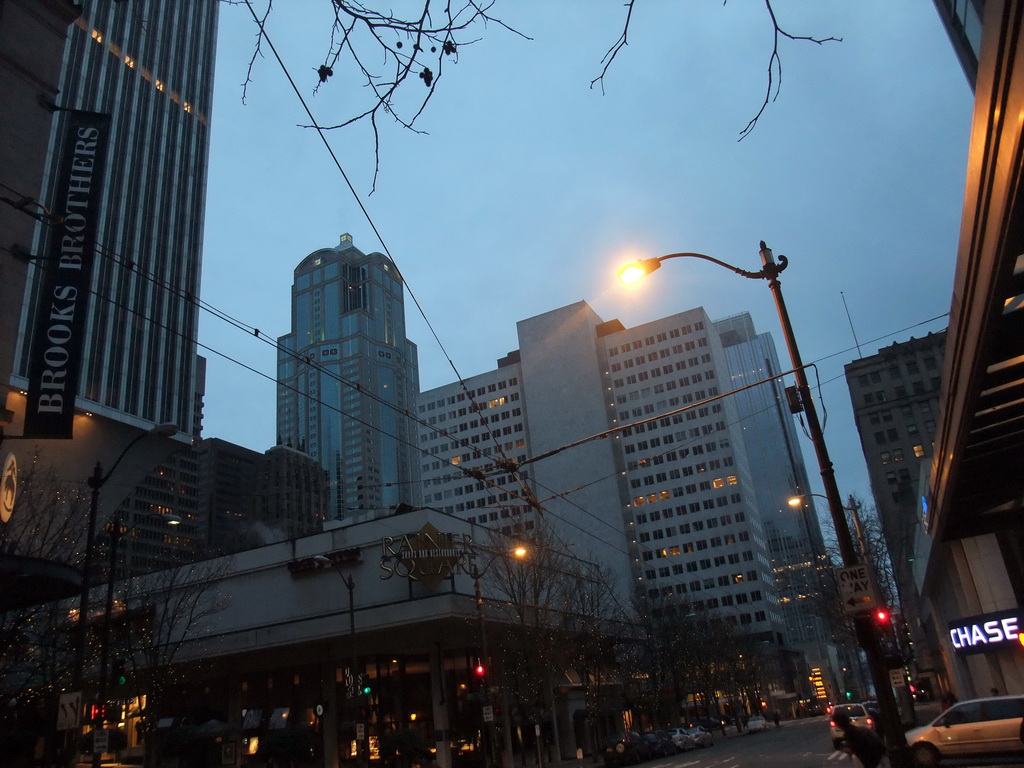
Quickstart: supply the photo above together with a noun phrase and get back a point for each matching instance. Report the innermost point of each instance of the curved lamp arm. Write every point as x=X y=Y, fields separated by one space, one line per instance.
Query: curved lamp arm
x=633 y=272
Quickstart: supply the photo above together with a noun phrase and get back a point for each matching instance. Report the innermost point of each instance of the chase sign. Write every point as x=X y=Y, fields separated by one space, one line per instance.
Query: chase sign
x=987 y=632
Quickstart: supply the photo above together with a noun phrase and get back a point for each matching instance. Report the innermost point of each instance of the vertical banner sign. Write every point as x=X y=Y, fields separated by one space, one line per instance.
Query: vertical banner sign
x=56 y=355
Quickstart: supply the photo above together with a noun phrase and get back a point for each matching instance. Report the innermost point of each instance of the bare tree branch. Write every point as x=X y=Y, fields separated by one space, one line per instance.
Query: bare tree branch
x=775 y=64
x=612 y=52
x=408 y=46
x=774 y=60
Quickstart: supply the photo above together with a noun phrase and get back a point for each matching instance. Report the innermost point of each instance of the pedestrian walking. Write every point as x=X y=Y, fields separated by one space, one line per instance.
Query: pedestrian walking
x=862 y=743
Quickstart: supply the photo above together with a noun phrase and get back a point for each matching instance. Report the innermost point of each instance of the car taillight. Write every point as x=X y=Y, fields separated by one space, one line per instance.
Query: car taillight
x=832 y=723
x=869 y=721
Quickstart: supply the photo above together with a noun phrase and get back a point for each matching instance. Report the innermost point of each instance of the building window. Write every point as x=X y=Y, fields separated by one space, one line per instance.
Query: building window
x=919 y=451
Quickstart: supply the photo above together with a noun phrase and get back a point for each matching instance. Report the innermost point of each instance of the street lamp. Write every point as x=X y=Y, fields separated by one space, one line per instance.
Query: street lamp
x=96 y=481
x=322 y=561
x=116 y=531
x=867 y=636
x=797 y=501
x=484 y=663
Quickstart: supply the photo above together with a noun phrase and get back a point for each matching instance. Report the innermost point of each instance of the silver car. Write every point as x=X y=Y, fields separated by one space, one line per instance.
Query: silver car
x=975 y=728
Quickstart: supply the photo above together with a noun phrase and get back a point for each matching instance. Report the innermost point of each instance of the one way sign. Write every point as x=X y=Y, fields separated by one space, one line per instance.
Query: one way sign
x=856 y=588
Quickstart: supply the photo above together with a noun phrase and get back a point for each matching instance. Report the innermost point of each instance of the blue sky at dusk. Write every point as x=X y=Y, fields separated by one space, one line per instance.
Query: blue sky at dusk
x=528 y=188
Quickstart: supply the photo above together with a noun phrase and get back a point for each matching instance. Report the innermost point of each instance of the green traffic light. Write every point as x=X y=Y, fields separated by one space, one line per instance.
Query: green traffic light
x=366 y=689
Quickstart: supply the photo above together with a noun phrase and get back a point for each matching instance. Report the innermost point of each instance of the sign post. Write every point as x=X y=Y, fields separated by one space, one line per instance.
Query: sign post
x=856 y=588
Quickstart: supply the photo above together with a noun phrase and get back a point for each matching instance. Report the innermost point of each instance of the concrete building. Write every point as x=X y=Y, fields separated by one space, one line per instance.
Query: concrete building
x=667 y=498
x=895 y=398
x=795 y=544
x=149 y=66
x=285 y=639
x=32 y=38
x=971 y=550
x=348 y=377
x=249 y=499
x=140 y=76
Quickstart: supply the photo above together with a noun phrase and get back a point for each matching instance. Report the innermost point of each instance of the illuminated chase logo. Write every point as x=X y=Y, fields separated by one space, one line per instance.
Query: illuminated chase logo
x=991 y=631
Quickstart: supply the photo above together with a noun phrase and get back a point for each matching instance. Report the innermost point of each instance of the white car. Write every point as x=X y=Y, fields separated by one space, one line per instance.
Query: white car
x=756 y=724
x=975 y=728
x=682 y=739
x=859 y=715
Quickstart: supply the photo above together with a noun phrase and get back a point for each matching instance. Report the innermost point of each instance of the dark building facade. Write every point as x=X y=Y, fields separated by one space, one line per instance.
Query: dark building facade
x=149 y=66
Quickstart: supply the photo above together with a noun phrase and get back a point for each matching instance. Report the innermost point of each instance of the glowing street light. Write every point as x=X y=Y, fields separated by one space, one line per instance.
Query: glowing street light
x=867 y=635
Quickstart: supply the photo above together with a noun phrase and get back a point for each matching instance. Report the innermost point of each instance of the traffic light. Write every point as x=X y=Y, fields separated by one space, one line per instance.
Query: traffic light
x=367 y=689
x=882 y=616
x=479 y=670
x=118 y=674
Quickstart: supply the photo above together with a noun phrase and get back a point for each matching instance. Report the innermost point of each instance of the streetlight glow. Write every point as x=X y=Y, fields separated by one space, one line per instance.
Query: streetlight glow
x=631 y=273
x=866 y=635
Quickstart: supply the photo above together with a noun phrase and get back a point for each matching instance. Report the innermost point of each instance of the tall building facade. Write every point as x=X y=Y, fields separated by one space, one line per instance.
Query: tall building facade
x=668 y=501
x=794 y=534
x=149 y=65
x=347 y=379
x=895 y=397
x=248 y=499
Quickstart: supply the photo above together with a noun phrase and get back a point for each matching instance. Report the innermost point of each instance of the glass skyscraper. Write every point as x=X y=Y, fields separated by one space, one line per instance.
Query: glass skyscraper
x=149 y=65
x=347 y=379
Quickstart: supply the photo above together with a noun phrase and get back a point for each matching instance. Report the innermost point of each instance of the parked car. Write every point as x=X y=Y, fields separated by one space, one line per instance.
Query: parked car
x=701 y=736
x=756 y=724
x=708 y=723
x=682 y=738
x=858 y=716
x=974 y=728
x=626 y=748
x=660 y=744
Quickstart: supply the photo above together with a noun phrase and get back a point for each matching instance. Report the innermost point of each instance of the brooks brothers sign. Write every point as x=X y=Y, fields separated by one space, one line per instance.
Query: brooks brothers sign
x=60 y=313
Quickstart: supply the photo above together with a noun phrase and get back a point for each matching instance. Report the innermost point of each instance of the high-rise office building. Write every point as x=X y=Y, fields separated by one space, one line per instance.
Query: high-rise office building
x=669 y=504
x=794 y=537
x=248 y=499
x=347 y=379
x=148 y=64
x=895 y=396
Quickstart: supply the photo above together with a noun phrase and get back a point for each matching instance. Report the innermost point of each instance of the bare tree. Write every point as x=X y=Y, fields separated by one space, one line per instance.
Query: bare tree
x=380 y=50
x=159 y=615
x=376 y=51
x=774 y=69
x=36 y=648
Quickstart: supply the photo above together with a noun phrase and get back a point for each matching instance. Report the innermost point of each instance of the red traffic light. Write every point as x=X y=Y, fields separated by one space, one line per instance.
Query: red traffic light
x=479 y=670
x=882 y=615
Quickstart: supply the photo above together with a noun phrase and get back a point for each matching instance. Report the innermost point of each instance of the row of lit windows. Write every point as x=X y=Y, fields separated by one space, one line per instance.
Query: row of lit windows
x=479 y=392
x=131 y=63
x=896 y=454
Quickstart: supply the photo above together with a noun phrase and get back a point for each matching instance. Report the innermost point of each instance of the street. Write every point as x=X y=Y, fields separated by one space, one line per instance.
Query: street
x=796 y=744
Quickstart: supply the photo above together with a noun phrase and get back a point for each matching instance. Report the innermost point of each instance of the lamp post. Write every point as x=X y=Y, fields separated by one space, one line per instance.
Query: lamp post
x=866 y=633
x=323 y=561
x=797 y=501
x=96 y=481
x=484 y=663
x=116 y=531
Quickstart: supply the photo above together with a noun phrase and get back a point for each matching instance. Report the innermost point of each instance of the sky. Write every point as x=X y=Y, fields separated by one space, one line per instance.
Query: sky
x=527 y=188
